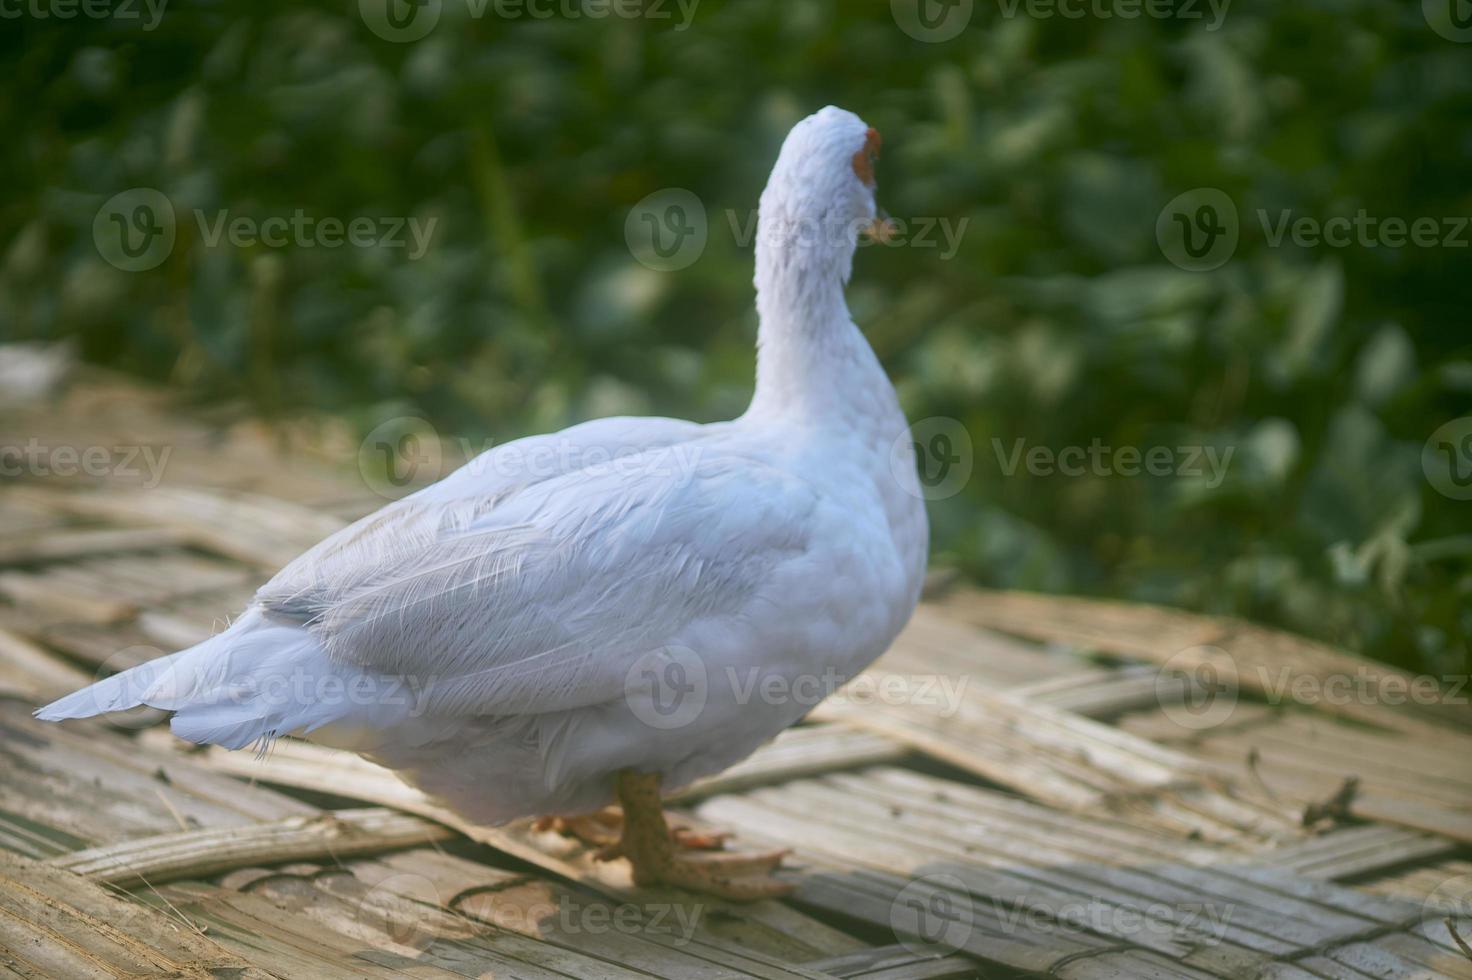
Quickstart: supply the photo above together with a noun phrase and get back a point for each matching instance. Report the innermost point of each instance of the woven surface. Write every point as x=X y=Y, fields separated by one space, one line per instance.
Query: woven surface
x=1023 y=785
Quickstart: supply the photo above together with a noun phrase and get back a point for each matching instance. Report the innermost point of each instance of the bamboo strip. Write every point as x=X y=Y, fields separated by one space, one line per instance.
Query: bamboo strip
x=202 y=853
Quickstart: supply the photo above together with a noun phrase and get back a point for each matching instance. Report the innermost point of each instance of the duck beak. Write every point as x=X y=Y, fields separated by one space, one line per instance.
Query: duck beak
x=881 y=229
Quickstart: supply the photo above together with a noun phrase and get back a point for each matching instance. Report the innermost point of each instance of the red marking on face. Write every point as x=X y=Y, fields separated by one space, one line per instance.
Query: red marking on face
x=864 y=159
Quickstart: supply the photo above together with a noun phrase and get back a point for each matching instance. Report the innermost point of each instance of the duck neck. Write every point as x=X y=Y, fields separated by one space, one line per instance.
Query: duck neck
x=811 y=358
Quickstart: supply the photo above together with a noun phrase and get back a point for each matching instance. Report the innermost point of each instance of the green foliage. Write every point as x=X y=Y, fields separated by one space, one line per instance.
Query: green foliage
x=1058 y=322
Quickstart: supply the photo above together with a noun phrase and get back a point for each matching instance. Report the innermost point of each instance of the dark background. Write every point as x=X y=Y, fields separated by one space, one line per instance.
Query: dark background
x=1059 y=321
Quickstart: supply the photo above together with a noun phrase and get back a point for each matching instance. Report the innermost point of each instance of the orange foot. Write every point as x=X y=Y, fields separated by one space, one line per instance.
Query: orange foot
x=657 y=851
x=604 y=830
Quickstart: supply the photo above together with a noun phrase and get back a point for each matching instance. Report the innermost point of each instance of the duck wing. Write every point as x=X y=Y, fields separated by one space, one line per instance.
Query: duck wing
x=528 y=596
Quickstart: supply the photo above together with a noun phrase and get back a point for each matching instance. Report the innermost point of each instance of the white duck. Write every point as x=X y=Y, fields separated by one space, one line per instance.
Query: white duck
x=628 y=604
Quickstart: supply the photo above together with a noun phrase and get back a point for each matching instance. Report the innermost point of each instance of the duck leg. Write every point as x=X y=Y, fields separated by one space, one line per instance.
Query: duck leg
x=657 y=859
